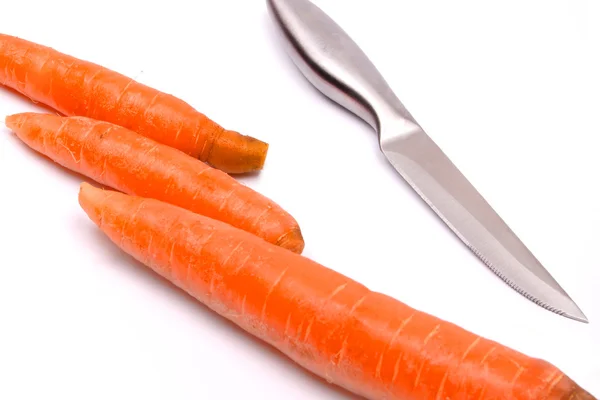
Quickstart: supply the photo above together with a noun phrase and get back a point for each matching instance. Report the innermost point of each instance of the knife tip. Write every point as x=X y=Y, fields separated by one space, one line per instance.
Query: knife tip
x=581 y=319
x=577 y=315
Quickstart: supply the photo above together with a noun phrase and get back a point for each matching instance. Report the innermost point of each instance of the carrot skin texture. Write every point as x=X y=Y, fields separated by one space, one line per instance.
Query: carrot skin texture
x=76 y=87
x=131 y=163
x=363 y=341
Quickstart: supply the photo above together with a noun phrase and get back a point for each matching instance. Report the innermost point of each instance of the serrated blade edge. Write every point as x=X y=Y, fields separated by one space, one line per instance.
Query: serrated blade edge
x=448 y=192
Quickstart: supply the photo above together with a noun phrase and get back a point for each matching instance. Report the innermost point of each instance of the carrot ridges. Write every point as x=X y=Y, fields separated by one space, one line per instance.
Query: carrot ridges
x=121 y=159
x=322 y=320
x=76 y=87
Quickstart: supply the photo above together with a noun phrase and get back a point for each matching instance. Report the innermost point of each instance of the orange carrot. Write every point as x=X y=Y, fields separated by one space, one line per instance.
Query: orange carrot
x=366 y=342
x=124 y=160
x=77 y=87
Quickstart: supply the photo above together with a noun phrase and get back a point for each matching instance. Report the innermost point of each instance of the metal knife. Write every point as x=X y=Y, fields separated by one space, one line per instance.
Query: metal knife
x=338 y=68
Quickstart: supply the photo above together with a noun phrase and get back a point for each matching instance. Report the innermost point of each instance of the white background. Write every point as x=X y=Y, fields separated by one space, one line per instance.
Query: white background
x=509 y=90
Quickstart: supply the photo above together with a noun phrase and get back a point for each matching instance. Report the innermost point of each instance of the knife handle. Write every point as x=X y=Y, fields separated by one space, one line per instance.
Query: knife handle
x=334 y=63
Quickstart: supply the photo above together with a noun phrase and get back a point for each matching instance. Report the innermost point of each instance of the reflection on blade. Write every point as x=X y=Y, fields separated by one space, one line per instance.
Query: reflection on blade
x=427 y=169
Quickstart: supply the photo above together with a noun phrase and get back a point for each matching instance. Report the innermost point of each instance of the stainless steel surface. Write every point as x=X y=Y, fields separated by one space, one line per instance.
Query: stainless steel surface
x=336 y=66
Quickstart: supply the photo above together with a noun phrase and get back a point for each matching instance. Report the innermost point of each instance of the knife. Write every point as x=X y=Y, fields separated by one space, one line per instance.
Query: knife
x=338 y=68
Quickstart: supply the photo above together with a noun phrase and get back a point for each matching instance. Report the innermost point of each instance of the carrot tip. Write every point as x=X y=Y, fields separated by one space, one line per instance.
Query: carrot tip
x=12 y=121
x=90 y=198
x=16 y=121
x=85 y=191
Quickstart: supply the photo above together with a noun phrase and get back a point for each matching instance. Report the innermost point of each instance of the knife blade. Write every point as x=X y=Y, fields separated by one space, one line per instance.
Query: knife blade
x=340 y=70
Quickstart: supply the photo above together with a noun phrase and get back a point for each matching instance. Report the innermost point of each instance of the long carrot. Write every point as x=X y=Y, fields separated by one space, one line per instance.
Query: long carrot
x=82 y=88
x=124 y=160
x=366 y=342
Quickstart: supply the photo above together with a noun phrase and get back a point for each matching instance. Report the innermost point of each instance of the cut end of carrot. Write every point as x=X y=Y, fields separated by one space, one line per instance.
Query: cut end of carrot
x=292 y=240
x=236 y=154
x=567 y=389
x=580 y=394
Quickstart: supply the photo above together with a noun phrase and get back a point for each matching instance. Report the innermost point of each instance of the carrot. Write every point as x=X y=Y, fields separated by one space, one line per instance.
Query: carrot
x=117 y=157
x=77 y=87
x=366 y=342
